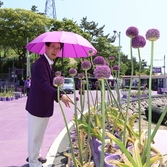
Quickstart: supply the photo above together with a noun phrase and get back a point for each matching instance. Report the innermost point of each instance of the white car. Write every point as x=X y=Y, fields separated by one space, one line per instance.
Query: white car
x=68 y=86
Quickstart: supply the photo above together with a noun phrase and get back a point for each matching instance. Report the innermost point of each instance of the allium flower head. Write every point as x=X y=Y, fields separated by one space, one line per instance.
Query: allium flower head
x=99 y=60
x=138 y=42
x=83 y=81
x=97 y=84
x=58 y=81
x=80 y=86
x=72 y=72
x=77 y=98
x=81 y=92
x=116 y=67
x=111 y=58
x=152 y=34
x=81 y=76
x=86 y=65
x=58 y=73
x=91 y=52
x=132 y=32
x=102 y=72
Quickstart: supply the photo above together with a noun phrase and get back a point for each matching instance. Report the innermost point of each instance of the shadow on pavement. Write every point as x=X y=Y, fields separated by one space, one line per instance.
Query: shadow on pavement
x=60 y=159
x=25 y=165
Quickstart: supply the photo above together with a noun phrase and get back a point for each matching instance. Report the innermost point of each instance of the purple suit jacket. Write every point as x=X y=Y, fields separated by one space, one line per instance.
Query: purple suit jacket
x=40 y=101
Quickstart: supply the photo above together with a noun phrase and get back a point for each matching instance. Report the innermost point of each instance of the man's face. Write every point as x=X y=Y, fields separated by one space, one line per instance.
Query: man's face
x=53 y=50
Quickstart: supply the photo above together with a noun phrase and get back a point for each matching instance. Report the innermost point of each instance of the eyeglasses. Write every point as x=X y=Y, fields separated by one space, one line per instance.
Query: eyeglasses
x=55 y=48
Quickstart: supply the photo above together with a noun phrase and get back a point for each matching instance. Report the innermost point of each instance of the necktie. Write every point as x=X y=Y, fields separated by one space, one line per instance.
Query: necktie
x=52 y=71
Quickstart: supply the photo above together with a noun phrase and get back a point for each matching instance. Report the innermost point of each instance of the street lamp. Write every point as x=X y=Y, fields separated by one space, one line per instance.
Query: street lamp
x=118 y=34
x=28 y=63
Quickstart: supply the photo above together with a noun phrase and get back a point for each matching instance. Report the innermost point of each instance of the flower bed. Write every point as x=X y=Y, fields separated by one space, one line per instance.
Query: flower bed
x=112 y=121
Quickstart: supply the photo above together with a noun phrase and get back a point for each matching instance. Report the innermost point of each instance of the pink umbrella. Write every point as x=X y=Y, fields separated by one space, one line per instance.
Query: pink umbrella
x=75 y=46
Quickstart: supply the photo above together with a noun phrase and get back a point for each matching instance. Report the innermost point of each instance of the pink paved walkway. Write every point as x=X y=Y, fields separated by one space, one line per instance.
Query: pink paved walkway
x=13 y=131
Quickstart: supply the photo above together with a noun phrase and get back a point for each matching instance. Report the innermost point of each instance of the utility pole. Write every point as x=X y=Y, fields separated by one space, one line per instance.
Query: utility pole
x=119 y=59
x=50 y=9
x=164 y=76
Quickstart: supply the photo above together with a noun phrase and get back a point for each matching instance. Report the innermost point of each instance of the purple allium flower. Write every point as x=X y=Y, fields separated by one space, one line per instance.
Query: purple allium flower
x=152 y=34
x=85 y=65
x=83 y=81
x=79 y=86
x=81 y=92
x=77 y=98
x=132 y=32
x=102 y=72
x=115 y=31
x=58 y=73
x=58 y=81
x=91 y=52
x=111 y=58
x=97 y=84
x=99 y=60
x=138 y=42
x=72 y=71
x=81 y=76
x=116 y=67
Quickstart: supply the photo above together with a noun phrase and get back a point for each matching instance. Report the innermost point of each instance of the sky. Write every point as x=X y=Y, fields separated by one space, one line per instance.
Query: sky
x=116 y=15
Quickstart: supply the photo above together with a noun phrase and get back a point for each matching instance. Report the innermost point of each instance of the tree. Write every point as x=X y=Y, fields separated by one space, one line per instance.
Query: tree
x=1 y=4
x=19 y=25
x=34 y=9
x=92 y=28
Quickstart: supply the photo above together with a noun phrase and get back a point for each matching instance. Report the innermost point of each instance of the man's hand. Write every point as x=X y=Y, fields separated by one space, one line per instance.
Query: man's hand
x=66 y=100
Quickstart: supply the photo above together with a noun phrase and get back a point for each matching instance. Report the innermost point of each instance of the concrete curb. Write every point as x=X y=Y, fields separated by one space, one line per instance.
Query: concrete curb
x=54 y=147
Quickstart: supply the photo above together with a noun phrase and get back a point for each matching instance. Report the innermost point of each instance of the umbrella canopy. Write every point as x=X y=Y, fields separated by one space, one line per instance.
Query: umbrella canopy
x=75 y=46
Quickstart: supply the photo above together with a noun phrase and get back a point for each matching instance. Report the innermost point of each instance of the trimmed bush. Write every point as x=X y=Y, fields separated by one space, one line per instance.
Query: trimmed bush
x=156 y=114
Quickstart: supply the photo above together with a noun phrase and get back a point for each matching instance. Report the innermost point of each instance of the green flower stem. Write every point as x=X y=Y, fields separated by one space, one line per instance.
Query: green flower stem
x=96 y=108
x=139 y=84
x=80 y=111
x=66 y=124
x=103 y=121
x=81 y=99
x=129 y=91
x=89 y=110
x=117 y=88
x=115 y=103
x=76 y=124
x=150 y=107
x=93 y=101
x=96 y=101
x=91 y=60
x=118 y=106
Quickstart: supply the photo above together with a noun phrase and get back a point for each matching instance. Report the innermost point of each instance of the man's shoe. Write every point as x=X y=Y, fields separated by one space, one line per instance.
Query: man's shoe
x=41 y=159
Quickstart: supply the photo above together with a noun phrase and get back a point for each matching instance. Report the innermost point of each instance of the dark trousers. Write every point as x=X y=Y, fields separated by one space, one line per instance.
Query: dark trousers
x=27 y=91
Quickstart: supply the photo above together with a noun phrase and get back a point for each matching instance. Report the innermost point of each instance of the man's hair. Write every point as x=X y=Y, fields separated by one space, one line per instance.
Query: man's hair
x=48 y=44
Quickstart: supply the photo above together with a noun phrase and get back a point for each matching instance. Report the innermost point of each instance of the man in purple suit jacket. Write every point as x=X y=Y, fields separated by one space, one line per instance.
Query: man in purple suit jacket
x=40 y=102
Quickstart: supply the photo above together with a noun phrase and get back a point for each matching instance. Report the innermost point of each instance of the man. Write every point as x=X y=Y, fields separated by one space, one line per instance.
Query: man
x=40 y=102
